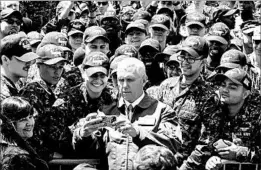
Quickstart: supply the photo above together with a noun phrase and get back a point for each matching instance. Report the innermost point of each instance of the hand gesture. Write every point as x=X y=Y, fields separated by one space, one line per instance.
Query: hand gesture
x=124 y=126
x=213 y=163
x=228 y=152
x=92 y=123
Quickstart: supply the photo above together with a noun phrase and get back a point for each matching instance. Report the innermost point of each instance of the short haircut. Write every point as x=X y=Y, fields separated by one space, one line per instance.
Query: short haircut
x=152 y=157
x=133 y=65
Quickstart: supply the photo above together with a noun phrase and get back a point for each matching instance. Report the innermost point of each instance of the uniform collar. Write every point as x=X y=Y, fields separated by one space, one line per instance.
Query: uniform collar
x=8 y=82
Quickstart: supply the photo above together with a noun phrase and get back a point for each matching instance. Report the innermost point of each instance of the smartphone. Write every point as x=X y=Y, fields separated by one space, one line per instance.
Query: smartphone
x=108 y=120
x=220 y=144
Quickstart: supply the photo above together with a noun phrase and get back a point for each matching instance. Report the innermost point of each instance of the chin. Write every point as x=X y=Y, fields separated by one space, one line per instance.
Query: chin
x=97 y=89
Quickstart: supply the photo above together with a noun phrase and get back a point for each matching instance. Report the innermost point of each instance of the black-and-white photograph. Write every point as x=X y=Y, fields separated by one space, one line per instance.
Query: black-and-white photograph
x=130 y=85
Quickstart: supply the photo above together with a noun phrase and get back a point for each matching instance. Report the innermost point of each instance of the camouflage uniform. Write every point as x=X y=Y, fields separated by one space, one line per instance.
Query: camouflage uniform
x=8 y=88
x=243 y=130
x=193 y=106
x=46 y=137
x=71 y=77
x=75 y=104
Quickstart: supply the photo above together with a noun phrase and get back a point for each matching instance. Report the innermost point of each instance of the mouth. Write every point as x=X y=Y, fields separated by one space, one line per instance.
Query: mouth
x=224 y=96
x=56 y=78
x=187 y=67
x=97 y=84
x=28 y=130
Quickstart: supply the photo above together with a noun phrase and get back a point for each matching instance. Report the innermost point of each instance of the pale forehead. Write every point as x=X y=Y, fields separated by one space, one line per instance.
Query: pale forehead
x=98 y=41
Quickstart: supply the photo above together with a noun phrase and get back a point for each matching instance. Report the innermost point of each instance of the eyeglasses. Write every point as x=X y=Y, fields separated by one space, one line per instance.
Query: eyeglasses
x=190 y=60
x=12 y=21
x=102 y=3
x=109 y=21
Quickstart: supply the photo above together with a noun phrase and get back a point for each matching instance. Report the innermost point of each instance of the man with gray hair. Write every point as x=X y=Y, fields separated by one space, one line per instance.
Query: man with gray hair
x=140 y=120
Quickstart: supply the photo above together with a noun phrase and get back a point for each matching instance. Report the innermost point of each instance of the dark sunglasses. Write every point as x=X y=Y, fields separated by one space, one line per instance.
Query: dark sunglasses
x=12 y=21
x=102 y=3
x=168 y=3
x=110 y=21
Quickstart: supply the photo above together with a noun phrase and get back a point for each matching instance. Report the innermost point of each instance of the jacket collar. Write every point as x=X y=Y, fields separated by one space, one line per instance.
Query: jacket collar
x=144 y=103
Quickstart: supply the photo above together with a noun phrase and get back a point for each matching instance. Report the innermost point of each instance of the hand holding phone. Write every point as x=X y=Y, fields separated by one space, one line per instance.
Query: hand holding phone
x=220 y=144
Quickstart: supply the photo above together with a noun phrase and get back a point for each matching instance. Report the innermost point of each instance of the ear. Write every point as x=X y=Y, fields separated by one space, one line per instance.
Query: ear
x=5 y=59
x=246 y=94
x=145 y=80
x=168 y=32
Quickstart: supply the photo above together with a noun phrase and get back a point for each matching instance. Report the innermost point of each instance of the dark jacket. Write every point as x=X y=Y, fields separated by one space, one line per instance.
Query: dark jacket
x=16 y=153
x=155 y=124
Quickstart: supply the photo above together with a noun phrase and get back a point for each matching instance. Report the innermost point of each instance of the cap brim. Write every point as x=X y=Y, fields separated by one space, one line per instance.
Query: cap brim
x=132 y=28
x=32 y=42
x=248 y=30
x=222 y=77
x=172 y=61
x=28 y=57
x=65 y=48
x=160 y=56
x=97 y=36
x=92 y=70
x=195 y=23
x=228 y=65
x=74 y=32
x=54 y=60
x=147 y=47
x=191 y=51
x=160 y=26
x=231 y=12
x=17 y=13
x=217 y=38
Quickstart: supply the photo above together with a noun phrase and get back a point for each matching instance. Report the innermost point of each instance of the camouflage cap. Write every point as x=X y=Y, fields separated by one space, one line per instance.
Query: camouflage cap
x=17 y=45
x=160 y=20
x=173 y=60
x=7 y=12
x=142 y=14
x=34 y=37
x=135 y=25
x=196 y=46
x=126 y=49
x=237 y=76
x=165 y=11
x=197 y=18
x=233 y=59
x=93 y=32
x=219 y=32
x=76 y=26
x=50 y=54
x=55 y=38
x=149 y=43
x=109 y=14
x=96 y=62
x=167 y=52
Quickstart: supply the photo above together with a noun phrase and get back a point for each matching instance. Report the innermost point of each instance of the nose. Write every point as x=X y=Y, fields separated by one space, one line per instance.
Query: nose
x=58 y=71
x=125 y=84
x=30 y=122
